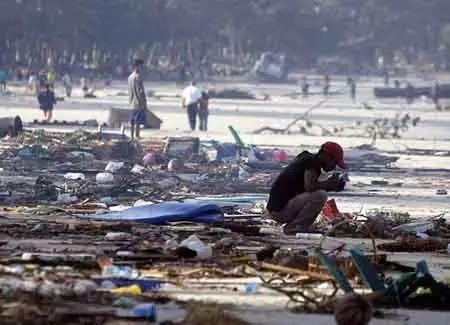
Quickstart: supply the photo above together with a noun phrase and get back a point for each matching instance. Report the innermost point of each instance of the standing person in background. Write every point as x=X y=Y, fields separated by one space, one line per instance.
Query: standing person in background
x=352 y=86
x=84 y=86
x=3 y=76
x=67 y=82
x=51 y=76
x=42 y=78
x=33 y=83
x=435 y=94
x=326 y=85
x=189 y=100
x=47 y=100
x=137 y=97
x=409 y=93
x=386 y=77
x=305 y=87
x=203 y=111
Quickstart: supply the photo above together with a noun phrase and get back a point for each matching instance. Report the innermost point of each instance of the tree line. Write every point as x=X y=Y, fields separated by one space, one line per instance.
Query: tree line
x=230 y=29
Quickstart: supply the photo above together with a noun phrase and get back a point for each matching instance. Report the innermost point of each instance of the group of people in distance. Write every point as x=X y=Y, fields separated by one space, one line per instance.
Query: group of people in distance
x=193 y=100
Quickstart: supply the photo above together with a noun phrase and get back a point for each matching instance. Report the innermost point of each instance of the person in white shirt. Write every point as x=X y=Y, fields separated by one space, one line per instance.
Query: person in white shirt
x=189 y=100
x=67 y=82
x=33 y=83
x=84 y=86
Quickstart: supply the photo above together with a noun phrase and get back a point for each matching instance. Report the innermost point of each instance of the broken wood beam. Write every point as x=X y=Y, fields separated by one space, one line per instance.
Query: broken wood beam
x=289 y=270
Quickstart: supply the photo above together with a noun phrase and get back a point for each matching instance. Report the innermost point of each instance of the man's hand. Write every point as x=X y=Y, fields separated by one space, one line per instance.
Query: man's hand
x=333 y=183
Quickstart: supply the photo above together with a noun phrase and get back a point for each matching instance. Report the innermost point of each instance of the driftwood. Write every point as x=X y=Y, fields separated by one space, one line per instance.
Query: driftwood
x=289 y=270
x=295 y=121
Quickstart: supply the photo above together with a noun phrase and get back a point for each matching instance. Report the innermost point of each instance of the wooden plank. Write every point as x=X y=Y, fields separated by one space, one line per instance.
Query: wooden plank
x=289 y=270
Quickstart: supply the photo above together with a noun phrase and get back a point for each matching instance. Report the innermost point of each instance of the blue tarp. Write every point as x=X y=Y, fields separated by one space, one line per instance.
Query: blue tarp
x=163 y=213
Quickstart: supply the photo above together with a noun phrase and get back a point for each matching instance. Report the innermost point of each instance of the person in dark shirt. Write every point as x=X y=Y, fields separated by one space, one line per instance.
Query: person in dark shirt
x=435 y=94
x=326 y=85
x=352 y=85
x=203 y=111
x=47 y=100
x=297 y=197
x=409 y=93
x=305 y=87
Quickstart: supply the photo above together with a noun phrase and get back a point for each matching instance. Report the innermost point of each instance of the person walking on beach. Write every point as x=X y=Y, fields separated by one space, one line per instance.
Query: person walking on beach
x=33 y=83
x=189 y=100
x=3 y=76
x=67 y=82
x=326 y=85
x=203 y=111
x=305 y=87
x=138 y=98
x=352 y=86
x=47 y=100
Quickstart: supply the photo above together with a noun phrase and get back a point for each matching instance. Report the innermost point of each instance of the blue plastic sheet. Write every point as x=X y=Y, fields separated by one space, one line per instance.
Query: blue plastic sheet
x=163 y=213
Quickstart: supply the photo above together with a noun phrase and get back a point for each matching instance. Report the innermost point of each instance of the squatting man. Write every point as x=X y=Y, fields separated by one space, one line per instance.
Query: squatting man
x=297 y=196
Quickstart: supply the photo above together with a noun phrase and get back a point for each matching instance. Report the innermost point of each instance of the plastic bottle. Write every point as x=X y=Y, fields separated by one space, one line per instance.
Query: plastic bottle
x=137 y=169
x=170 y=245
x=107 y=200
x=4 y=196
x=104 y=178
x=194 y=243
x=114 y=166
x=66 y=198
x=13 y=269
x=251 y=288
x=243 y=174
x=147 y=311
x=125 y=302
x=107 y=285
x=114 y=271
x=84 y=287
x=311 y=236
x=141 y=311
x=174 y=165
x=74 y=176
x=117 y=236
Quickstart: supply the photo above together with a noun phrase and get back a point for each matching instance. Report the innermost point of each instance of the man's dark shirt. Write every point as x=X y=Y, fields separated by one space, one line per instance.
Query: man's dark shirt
x=46 y=100
x=291 y=181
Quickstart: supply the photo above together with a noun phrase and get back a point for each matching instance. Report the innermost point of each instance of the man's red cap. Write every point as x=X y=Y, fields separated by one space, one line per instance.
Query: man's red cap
x=335 y=151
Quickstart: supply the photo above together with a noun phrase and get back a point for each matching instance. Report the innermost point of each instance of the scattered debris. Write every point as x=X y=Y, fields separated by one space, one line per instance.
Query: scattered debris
x=413 y=244
x=94 y=228
x=271 y=67
x=231 y=94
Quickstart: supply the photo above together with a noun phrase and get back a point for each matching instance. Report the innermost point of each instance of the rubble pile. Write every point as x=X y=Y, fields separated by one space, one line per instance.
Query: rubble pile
x=95 y=228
